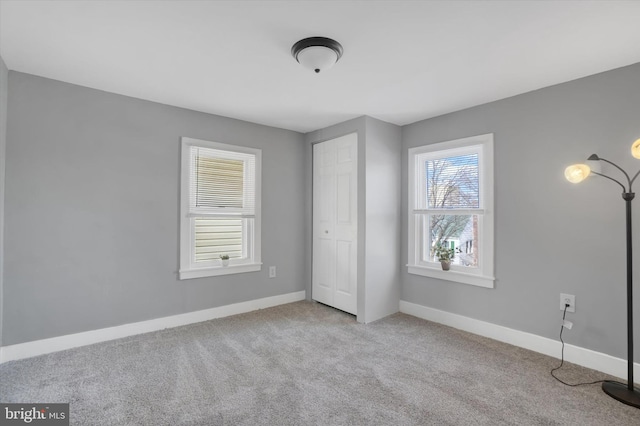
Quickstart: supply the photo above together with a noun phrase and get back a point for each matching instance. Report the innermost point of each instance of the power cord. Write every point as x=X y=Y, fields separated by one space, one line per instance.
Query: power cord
x=564 y=314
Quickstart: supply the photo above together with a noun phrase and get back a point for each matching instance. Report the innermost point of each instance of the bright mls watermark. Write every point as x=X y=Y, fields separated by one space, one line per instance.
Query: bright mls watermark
x=34 y=414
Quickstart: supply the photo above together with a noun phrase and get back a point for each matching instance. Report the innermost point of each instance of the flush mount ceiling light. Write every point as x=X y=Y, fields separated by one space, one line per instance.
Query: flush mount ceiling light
x=317 y=53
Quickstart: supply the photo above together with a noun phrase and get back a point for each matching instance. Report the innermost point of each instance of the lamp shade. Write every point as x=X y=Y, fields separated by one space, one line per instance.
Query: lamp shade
x=317 y=53
x=576 y=173
x=635 y=149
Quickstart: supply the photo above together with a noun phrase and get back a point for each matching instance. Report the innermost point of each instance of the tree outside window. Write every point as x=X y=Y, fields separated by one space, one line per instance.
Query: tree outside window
x=452 y=183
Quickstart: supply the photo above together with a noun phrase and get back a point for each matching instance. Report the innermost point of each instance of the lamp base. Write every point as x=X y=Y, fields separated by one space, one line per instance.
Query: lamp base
x=622 y=393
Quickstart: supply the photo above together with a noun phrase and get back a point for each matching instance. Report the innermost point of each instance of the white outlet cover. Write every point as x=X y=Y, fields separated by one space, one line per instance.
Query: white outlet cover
x=571 y=300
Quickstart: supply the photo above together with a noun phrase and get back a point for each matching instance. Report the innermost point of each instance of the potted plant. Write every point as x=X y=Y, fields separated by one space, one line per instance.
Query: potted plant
x=225 y=259
x=445 y=255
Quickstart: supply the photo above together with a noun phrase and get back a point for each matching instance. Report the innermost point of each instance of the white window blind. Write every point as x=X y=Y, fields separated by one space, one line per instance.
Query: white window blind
x=222 y=182
x=452 y=182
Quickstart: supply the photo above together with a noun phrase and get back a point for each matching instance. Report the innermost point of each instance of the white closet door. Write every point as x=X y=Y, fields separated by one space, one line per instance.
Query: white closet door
x=335 y=222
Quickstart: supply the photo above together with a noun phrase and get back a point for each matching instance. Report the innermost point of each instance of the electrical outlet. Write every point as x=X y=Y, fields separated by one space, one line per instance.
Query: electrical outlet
x=272 y=271
x=568 y=299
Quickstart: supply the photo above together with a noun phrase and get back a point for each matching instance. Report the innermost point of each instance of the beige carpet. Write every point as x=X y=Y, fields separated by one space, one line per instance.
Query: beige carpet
x=307 y=364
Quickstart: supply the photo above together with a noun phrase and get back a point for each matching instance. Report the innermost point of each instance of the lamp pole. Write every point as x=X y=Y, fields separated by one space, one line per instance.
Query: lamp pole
x=627 y=394
x=628 y=196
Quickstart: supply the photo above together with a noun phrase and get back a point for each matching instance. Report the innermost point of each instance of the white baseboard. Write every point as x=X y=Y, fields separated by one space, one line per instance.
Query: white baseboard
x=585 y=357
x=54 y=344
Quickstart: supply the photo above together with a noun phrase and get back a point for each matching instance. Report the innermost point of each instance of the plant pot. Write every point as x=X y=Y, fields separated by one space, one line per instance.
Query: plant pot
x=445 y=265
x=225 y=262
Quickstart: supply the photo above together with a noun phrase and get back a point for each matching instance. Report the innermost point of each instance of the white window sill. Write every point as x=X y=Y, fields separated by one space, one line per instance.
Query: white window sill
x=451 y=275
x=219 y=270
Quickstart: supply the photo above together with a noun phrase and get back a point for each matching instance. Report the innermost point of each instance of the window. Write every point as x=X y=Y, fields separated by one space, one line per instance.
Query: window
x=220 y=209
x=451 y=205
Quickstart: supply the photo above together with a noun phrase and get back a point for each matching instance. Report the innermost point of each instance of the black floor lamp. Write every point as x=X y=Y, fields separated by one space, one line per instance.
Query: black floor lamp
x=576 y=173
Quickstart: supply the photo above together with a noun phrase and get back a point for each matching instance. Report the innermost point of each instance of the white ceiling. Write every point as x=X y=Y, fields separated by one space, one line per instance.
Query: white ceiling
x=403 y=61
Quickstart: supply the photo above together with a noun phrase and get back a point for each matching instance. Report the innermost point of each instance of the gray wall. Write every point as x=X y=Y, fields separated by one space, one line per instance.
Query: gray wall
x=379 y=212
x=4 y=78
x=552 y=237
x=91 y=210
x=383 y=219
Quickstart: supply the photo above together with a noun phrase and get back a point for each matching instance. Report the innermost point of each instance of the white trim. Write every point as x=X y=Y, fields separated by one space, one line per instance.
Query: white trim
x=60 y=343
x=220 y=270
x=451 y=275
x=585 y=357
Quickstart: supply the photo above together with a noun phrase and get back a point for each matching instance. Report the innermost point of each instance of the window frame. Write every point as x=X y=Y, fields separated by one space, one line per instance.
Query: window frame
x=483 y=274
x=251 y=228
